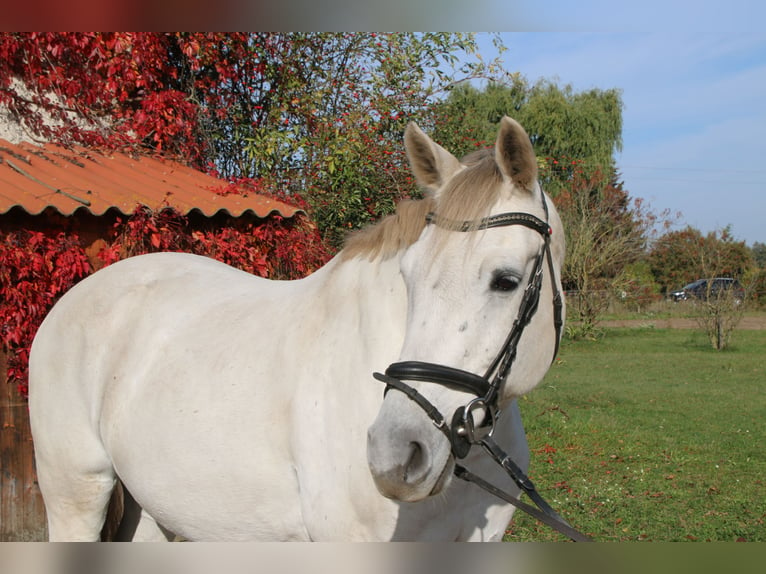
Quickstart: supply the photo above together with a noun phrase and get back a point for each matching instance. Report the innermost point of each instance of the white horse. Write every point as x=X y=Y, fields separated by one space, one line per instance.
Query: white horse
x=236 y=408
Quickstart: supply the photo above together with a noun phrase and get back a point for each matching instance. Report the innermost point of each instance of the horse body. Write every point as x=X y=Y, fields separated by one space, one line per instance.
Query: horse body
x=237 y=408
x=220 y=427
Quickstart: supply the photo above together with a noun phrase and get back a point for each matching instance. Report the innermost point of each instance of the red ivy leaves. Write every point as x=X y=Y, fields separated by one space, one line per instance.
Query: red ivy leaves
x=277 y=248
x=165 y=117
x=128 y=86
x=35 y=269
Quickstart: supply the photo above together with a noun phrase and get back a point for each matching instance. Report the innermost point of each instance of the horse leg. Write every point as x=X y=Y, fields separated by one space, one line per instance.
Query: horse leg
x=76 y=497
x=74 y=470
x=78 y=507
x=149 y=530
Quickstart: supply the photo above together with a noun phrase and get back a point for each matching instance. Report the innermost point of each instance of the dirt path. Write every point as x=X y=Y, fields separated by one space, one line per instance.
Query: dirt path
x=749 y=323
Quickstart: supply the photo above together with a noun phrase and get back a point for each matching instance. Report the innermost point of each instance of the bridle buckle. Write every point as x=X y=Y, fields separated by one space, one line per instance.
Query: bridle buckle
x=465 y=432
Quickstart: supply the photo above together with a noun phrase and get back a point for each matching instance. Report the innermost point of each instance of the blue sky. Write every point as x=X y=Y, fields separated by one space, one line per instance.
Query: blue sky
x=694 y=117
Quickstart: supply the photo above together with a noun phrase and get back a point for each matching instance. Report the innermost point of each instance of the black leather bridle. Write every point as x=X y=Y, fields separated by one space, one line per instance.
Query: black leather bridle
x=463 y=432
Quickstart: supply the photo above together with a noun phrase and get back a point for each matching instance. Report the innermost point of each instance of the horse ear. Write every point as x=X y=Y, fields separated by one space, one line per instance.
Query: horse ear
x=431 y=164
x=514 y=154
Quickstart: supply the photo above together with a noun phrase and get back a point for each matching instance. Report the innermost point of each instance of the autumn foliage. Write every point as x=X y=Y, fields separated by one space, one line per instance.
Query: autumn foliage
x=35 y=270
x=679 y=257
x=276 y=248
x=105 y=89
x=315 y=115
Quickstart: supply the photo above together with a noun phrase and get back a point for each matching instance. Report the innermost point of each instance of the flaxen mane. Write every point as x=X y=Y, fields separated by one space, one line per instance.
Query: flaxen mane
x=469 y=195
x=392 y=234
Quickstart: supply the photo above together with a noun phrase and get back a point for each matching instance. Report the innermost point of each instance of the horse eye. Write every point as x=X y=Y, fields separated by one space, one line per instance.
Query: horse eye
x=504 y=282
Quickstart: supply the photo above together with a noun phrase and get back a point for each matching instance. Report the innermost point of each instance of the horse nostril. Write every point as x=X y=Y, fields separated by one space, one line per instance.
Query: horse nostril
x=417 y=467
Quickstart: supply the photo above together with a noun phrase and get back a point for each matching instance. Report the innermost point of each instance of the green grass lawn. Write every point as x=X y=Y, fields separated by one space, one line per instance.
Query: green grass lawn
x=650 y=434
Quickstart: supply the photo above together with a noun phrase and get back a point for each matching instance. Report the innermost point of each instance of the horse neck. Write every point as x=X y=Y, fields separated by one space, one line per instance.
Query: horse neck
x=367 y=299
x=368 y=285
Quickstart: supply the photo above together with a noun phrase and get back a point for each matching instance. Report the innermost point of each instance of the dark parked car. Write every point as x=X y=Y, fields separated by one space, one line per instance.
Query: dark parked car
x=704 y=289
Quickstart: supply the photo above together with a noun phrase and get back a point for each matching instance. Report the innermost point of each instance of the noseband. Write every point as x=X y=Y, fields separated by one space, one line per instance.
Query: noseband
x=463 y=432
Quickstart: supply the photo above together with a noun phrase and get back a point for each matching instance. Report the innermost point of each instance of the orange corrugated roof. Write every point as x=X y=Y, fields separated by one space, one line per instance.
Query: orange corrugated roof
x=36 y=177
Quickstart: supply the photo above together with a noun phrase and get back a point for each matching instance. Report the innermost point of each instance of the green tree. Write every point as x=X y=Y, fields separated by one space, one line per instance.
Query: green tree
x=578 y=130
x=469 y=117
x=320 y=116
x=570 y=131
x=635 y=287
x=756 y=279
x=759 y=254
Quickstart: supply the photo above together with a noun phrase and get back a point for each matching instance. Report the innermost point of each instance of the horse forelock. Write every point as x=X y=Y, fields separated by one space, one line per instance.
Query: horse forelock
x=472 y=192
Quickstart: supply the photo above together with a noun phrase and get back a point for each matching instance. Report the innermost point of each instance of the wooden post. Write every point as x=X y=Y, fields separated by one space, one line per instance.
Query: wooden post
x=22 y=513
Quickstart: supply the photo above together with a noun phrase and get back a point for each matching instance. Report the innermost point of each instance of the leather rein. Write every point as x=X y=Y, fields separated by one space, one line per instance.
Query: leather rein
x=462 y=431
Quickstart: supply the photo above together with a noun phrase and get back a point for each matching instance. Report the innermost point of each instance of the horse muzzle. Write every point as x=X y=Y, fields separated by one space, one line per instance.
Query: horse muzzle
x=409 y=459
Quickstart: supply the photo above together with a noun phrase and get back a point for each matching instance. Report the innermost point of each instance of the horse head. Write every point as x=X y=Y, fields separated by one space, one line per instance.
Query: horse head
x=466 y=278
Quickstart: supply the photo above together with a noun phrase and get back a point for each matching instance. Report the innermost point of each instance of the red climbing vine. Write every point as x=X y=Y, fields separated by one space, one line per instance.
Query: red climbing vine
x=35 y=269
x=277 y=247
